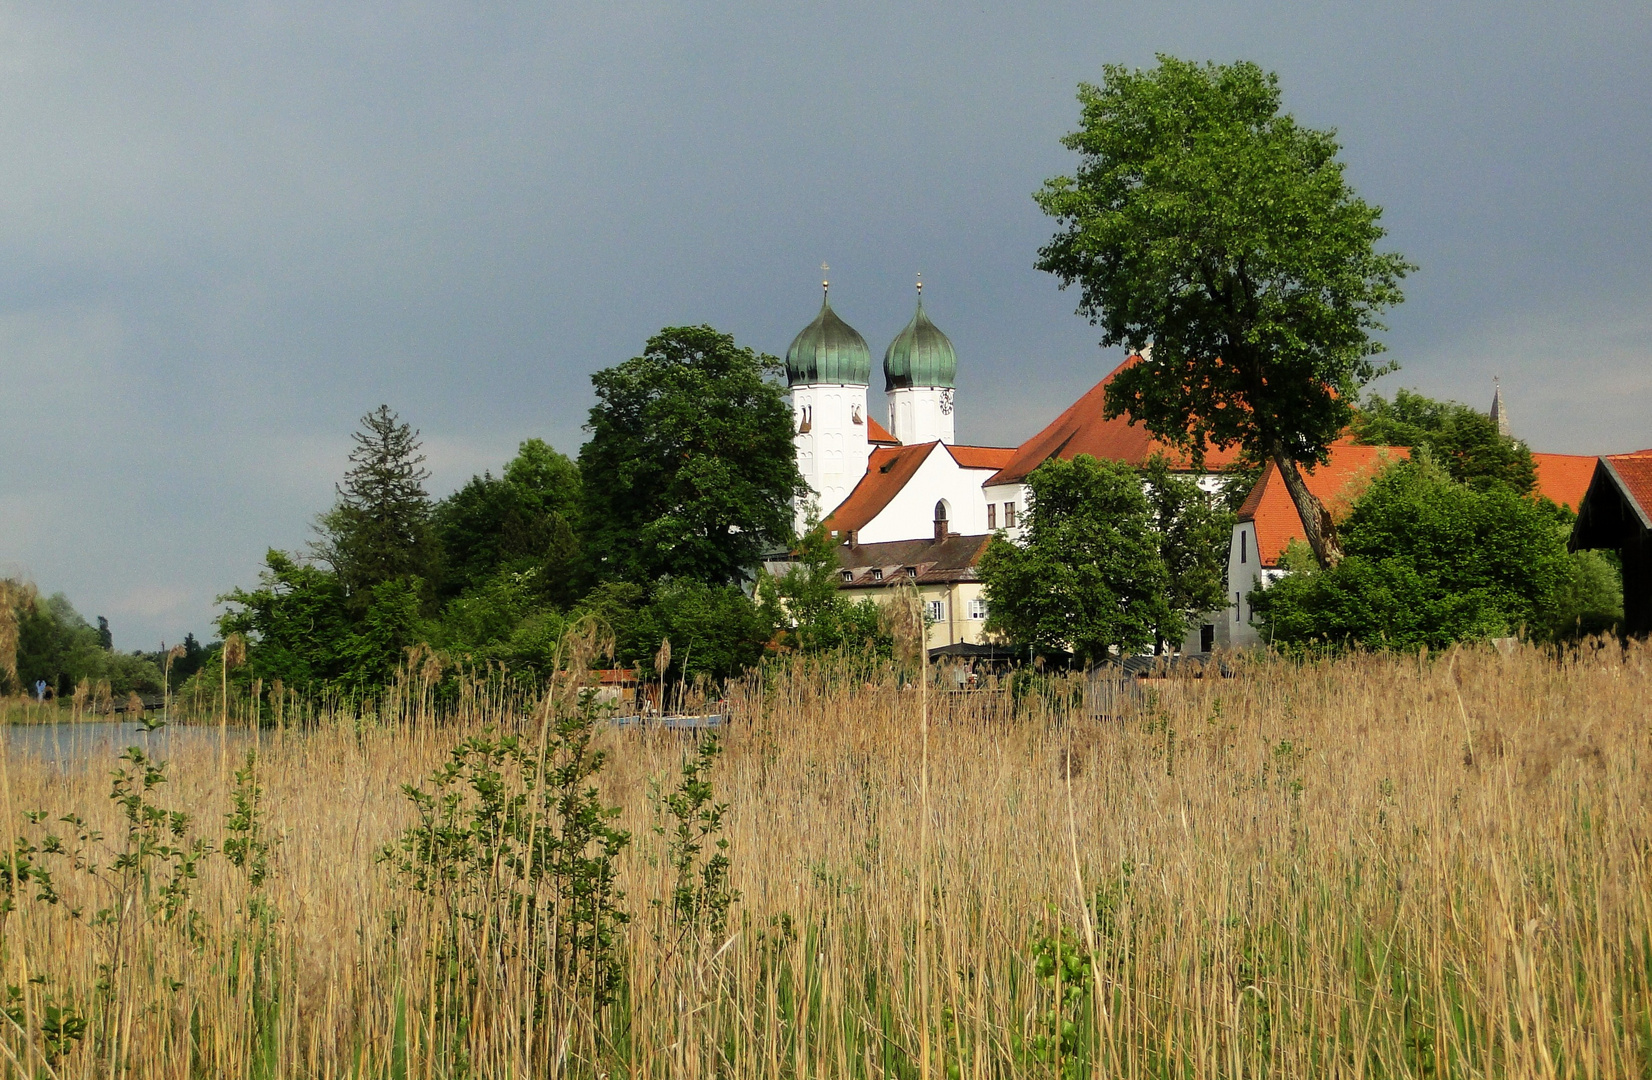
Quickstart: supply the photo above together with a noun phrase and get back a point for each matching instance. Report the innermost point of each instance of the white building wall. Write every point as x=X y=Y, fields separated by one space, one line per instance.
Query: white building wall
x=1014 y=494
x=1245 y=572
x=832 y=454
x=920 y=414
x=910 y=515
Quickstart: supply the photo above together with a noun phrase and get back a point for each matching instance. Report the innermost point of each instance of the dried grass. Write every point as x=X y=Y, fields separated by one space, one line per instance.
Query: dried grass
x=1368 y=866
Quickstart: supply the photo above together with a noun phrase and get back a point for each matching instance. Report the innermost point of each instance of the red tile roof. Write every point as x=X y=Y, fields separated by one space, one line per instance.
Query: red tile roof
x=1082 y=430
x=877 y=434
x=886 y=473
x=1564 y=477
x=1634 y=477
x=982 y=457
x=1336 y=484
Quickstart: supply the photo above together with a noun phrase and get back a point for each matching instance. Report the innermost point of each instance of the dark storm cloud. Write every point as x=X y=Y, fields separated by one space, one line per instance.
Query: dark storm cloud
x=226 y=231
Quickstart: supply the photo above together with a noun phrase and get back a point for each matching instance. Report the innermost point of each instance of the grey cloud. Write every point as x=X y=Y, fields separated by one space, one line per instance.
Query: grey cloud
x=226 y=231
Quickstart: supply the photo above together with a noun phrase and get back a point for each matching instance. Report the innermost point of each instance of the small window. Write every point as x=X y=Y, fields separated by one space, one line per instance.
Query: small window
x=1009 y=515
x=977 y=609
x=935 y=610
x=911 y=571
x=848 y=575
x=877 y=575
x=992 y=516
x=1244 y=548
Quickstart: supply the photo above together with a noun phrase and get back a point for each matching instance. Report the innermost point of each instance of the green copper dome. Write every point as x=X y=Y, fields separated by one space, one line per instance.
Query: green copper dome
x=828 y=350
x=920 y=355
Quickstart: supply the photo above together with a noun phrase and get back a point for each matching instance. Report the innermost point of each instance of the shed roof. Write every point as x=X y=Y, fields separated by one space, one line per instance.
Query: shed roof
x=1083 y=429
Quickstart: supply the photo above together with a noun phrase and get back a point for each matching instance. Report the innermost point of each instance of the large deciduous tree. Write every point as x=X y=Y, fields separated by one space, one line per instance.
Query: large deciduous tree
x=1204 y=222
x=1089 y=577
x=689 y=471
x=524 y=522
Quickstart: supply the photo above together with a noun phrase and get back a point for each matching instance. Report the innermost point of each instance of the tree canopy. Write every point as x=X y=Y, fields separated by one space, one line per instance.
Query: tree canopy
x=1465 y=442
x=1089 y=577
x=1194 y=528
x=689 y=471
x=1431 y=561
x=814 y=615
x=525 y=520
x=1212 y=232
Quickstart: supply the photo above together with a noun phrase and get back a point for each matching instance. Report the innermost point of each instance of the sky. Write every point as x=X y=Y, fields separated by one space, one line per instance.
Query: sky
x=228 y=230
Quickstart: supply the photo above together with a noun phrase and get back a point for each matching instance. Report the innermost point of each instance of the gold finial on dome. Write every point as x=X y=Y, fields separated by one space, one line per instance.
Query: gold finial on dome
x=920 y=283
x=825 y=285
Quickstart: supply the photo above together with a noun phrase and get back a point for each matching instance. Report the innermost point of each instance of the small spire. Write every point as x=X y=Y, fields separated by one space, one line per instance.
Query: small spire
x=825 y=285
x=1499 y=411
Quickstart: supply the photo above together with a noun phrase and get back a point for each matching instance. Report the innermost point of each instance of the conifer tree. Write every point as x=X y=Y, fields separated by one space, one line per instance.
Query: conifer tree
x=379 y=530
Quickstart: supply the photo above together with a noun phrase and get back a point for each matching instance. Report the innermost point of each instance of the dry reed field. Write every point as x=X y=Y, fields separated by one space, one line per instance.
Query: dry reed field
x=1371 y=866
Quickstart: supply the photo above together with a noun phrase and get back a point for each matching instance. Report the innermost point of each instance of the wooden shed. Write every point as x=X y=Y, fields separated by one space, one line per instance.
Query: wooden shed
x=1616 y=513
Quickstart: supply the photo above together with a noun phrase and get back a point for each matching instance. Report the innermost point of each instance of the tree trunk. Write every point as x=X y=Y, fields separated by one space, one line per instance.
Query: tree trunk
x=1316 y=520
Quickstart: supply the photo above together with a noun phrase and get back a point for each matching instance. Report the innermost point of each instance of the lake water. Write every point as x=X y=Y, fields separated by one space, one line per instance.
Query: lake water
x=101 y=742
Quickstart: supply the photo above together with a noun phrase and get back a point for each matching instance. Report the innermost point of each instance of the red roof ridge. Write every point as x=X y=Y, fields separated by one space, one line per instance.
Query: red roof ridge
x=1082 y=429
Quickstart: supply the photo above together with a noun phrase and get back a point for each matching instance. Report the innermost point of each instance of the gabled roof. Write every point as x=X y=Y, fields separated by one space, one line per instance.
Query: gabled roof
x=1270 y=507
x=1082 y=430
x=888 y=470
x=922 y=562
x=1618 y=506
x=1564 y=477
x=1633 y=473
x=878 y=435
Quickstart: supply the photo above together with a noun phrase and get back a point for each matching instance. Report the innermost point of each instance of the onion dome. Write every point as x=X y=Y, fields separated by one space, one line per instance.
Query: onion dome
x=828 y=350
x=920 y=355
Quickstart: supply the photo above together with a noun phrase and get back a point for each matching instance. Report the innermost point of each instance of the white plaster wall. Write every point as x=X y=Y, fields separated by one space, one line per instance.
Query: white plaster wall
x=832 y=454
x=919 y=414
x=1243 y=575
x=910 y=515
x=998 y=495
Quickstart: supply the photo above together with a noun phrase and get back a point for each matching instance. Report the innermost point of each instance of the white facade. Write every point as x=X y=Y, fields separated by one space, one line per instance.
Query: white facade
x=1245 y=572
x=920 y=414
x=1008 y=504
x=939 y=481
x=832 y=450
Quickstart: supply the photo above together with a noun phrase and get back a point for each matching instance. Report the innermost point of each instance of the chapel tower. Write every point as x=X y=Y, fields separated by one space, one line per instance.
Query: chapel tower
x=920 y=370
x=827 y=368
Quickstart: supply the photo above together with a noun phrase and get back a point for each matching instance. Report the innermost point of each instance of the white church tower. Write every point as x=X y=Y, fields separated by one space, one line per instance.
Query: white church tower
x=920 y=370
x=827 y=368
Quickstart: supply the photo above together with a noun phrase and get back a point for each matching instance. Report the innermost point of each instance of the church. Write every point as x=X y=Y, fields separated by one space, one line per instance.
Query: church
x=906 y=501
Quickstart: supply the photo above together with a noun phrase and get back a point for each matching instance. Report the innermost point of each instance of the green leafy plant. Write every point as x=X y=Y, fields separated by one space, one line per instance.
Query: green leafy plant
x=701 y=898
x=512 y=837
x=1064 y=969
x=247 y=846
